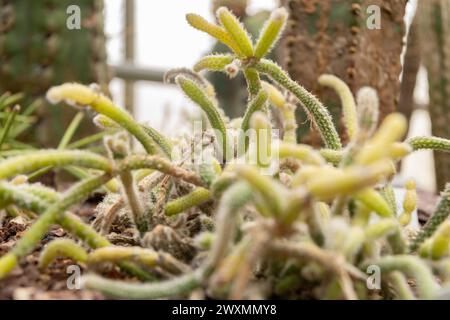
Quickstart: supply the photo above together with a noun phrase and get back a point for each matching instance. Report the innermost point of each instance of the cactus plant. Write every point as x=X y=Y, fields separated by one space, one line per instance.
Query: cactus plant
x=433 y=25
x=333 y=37
x=36 y=52
x=224 y=226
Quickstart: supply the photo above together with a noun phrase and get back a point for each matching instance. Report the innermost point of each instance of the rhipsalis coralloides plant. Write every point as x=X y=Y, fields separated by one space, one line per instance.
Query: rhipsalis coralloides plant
x=238 y=210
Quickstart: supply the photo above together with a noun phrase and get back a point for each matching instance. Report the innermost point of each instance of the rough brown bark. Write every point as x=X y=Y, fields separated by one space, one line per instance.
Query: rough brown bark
x=434 y=18
x=331 y=36
x=38 y=50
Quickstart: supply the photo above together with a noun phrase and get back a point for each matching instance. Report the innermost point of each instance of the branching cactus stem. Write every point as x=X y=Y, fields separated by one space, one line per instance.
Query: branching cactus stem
x=82 y=95
x=320 y=115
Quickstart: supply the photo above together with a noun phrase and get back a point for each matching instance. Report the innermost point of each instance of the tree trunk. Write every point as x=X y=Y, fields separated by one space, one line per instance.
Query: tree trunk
x=434 y=19
x=333 y=36
x=38 y=50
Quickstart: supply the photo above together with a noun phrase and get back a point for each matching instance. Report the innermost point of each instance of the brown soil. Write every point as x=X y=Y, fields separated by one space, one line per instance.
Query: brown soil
x=26 y=281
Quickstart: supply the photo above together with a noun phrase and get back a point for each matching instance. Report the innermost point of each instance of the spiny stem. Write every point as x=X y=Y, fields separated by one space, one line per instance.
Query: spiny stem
x=162 y=141
x=61 y=248
x=347 y=101
x=263 y=185
x=368 y=111
x=373 y=200
x=289 y=123
x=348 y=180
x=320 y=115
x=413 y=267
x=69 y=221
x=263 y=145
x=270 y=32
x=214 y=62
x=195 y=198
x=232 y=201
x=388 y=194
x=147 y=257
x=197 y=95
x=163 y=289
x=107 y=124
x=134 y=162
x=214 y=31
x=409 y=203
x=440 y=215
x=83 y=95
x=257 y=103
x=303 y=153
x=44 y=158
x=433 y=143
x=253 y=82
x=236 y=31
x=138 y=211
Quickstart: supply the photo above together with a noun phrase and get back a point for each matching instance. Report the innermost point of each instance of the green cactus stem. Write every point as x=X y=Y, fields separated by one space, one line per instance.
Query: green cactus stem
x=200 y=97
x=254 y=105
x=433 y=143
x=146 y=257
x=314 y=107
x=45 y=158
x=347 y=101
x=175 y=287
x=214 y=62
x=232 y=201
x=61 y=248
x=413 y=267
x=213 y=30
x=271 y=32
x=69 y=221
x=439 y=216
x=310 y=48
x=197 y=197
x=83 y=95
x=236 y=31
x=401 y=286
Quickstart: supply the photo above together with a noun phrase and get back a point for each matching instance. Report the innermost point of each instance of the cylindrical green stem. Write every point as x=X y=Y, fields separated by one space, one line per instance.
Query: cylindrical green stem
x=314 y=107
x=433 y=143
x=163 y=165
x=147 y=257
x=195 y=198
x=163 y=289
x=61 y=248
x=253 y=82
x=197 y=95
x=44 y=158
x=413 y=267
x=79 y=94
x=232 y=201
x=401 y=286
x=347 y=101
